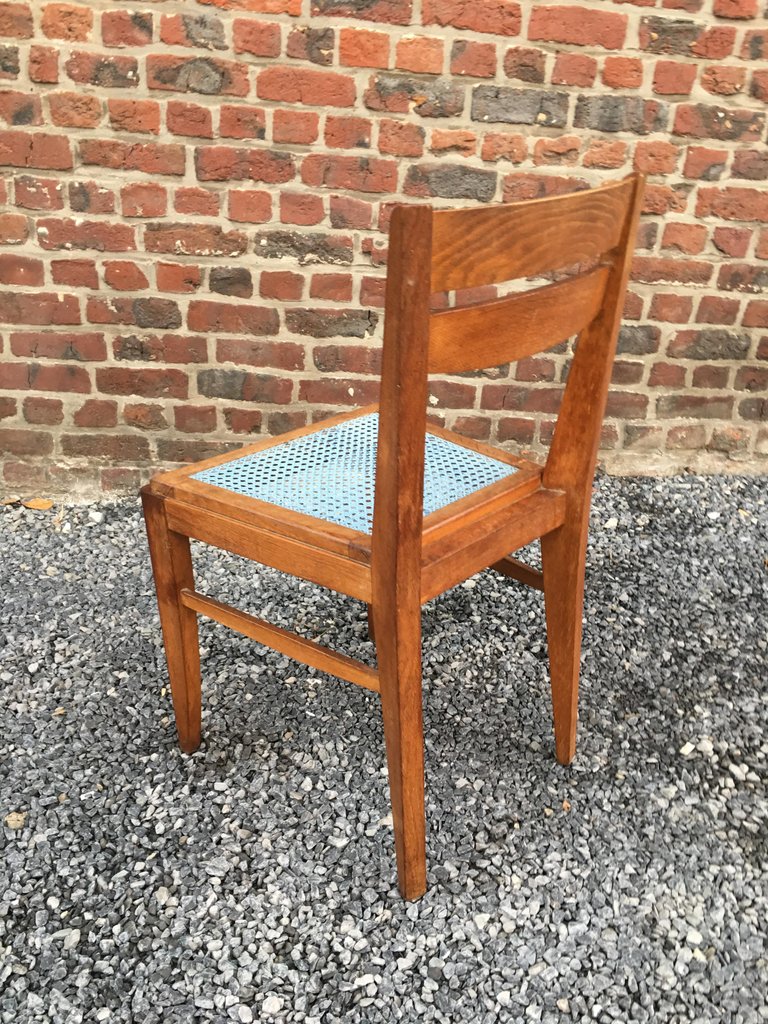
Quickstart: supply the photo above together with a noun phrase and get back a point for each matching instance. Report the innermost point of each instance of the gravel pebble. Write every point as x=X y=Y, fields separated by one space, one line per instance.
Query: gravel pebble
x=255 y=879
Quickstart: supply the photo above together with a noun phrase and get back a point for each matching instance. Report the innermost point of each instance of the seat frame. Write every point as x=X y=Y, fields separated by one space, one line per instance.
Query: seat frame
x=409 y=558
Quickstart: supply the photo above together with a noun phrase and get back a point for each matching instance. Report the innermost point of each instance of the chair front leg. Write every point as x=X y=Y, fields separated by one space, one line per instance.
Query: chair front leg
x=172 y=569
x=563 y=557
x=398 y=649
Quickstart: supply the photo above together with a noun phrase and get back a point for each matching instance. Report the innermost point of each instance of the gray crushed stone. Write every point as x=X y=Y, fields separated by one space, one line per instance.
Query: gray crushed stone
x=254 y=881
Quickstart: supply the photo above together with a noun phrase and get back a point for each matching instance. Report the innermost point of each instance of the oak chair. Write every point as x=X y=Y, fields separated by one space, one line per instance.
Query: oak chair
x=380 y=506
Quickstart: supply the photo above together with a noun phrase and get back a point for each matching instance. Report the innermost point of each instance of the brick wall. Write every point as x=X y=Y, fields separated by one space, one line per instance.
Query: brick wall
x=195 y=200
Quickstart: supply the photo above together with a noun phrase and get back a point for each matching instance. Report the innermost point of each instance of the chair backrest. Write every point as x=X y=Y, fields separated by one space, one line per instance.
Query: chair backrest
x=443 y=250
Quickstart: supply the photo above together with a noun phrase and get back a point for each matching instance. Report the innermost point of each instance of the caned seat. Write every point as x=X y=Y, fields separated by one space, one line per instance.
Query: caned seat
x=378 y=505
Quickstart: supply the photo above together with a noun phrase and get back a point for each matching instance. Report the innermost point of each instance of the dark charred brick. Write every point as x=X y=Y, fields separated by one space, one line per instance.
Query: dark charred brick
x=620 y=114
x=204 y=30
x=304 y=247
x=451 y=181
x=156 y=313
x=241 y=385
x=332 y=323
x=526 y=65
x=202 y=75
x=666 y=35
x=754 y=409
x=726 y=124
x=398 y=94
x=751 y=164
x=709 y=344
x=9 y=61
x=397 y=12
x=313 y=44
x=638 y=340
x=519 y=106
x=231 y=281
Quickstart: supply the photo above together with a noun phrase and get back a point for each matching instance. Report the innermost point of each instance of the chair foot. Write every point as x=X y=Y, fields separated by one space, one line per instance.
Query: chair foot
x=563 y=560
x=398 y=649
x=172 y=569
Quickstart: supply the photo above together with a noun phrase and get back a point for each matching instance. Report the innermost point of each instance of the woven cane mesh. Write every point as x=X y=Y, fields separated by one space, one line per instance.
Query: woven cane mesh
x=330 y=474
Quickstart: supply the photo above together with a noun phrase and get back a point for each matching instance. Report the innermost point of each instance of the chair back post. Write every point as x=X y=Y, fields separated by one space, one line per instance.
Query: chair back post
x=572 y=455
x=398 y=501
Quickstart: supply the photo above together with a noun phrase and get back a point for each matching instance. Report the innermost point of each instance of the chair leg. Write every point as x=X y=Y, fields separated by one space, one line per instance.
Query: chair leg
x=563 y=554
x=398 y=649
x=172 y=569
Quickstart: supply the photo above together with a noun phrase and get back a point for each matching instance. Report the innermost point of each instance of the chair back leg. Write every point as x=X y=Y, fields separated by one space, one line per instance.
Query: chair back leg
x=172 y=569
x=398 y=649
x=563 y=558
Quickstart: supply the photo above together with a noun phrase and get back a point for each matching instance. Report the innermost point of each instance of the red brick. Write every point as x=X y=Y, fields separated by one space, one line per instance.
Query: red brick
x=76 y=273
x=622 y=72
x=148 y=157
x=124 y=276
x=714 y=43
x=726 y=124
x=65 y=233
x=458 y=141
x=282 y=355
x=650 y=269
x=761 y=245
x=733 y=203
x=564 y=150
x=515 y=428
x=25 y=442
x=120 y=480
x=45 y=411
x=59 y=345
x=358 y=174
x=43 y=64
x=350 y=213
x=74 y=110
x=14 y=228
x=478 y=60
x=241 y=122
x=15 y=21
x=259 y=38
x=518 y=187
x=115 y=447
x=96 y=412
x=701 y=162
x=759 y=86
x=38 y=193
x=304 y=85
x=44 y=377
x=751 y=378
x=22 y=270
x=197 y=201
x=525 y=64
x=90 y=197
x=143 y=312
x=223 y=163
x=687 y=238
x=574 y=69
x=666 y=375
x=149 y=383
x=714 y=309
x=301 y=208
x=504 y=147
x=67 y=21
x=397 y=12
x=756 y=313
x=657 y=157
x=178 y=277
x=161 y=348
x=742 y=277
x=105 y=72
x=347 y=132
x=336 y=287
x=347 y=359
x=223 y=317
x=710 y=377
x=18 y=108
x=578 y=25
x=281 y=284
x=250 y=206
x=38 y=308
x=604 y=153
x=339 y=391
x=722 y=80
x=671 y=78
x=735 y=8
x=126 y=28
x=734 y=242
x=500 y=17
x=7 y=407
x=362 y=48
x=35 y=149
x=195 y=419
x=243 y=421
x=143 y=200
x=399 y=138
x=194 y=240
x=671 y=308
x=754 y=45
x=295 y=126
x=189 y=119
x=421 y=54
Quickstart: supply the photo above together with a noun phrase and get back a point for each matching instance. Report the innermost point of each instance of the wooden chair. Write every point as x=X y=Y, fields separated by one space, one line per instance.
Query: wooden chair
x=397 y=524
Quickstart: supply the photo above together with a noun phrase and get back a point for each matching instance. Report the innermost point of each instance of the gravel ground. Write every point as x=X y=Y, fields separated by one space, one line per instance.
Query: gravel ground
x=255 y=879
